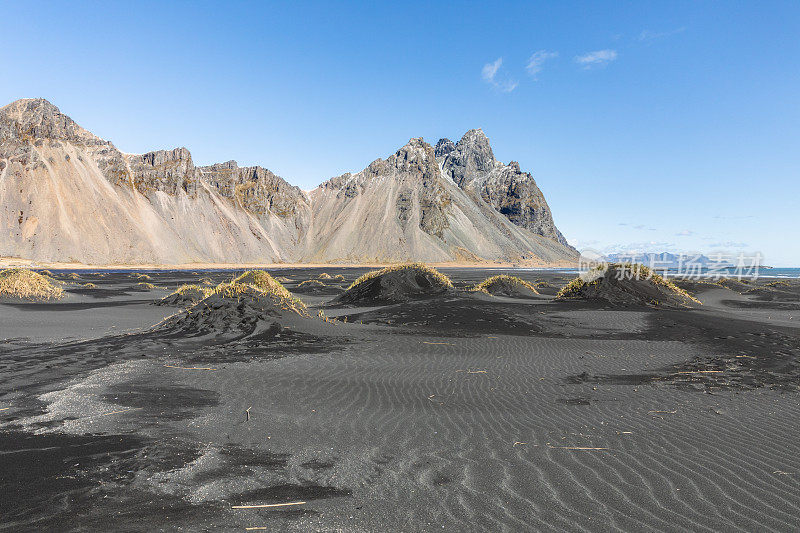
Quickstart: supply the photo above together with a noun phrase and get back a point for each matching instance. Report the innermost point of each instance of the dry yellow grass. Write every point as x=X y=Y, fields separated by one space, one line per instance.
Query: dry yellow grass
x=514 y=281
x=274 y=291
x=28 y=285
x=193 y=291
x=418 y=267
x=633 y=271
x=324 y=275
x=311 y=283
x=262 y=280
x=145 y=285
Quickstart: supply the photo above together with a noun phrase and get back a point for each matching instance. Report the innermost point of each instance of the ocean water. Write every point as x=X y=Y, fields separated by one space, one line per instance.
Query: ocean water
x=779 y=273
x=701 y=273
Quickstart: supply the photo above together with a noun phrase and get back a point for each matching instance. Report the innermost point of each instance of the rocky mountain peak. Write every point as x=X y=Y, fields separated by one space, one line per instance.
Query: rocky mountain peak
x=414 y=149
x=470 y=157
x=475 y=145
x=444 y=147
x=36 y=118
x=227 y=165
x=416 y=156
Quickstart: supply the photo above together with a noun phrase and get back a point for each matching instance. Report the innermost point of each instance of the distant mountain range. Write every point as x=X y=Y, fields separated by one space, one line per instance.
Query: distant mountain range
x=69 y=196
x=668 y=260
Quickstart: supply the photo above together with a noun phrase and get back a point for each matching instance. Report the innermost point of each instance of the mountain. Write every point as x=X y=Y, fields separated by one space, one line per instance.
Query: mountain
x=69 y=196
x=681 y=261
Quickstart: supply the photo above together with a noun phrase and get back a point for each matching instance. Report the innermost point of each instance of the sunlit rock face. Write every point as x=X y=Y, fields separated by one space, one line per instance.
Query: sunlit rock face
x=71 y=196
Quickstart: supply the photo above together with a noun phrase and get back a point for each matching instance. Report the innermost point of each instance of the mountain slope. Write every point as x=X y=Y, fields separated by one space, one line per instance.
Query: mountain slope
x=411 y=209
x=69 y=196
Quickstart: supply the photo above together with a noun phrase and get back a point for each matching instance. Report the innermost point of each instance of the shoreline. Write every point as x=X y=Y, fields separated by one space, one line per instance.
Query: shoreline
x=7 y=262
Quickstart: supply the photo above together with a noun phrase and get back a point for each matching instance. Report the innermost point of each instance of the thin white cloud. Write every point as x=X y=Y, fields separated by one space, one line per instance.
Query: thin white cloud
x=598 y=58
x=685 y=233
x=537 y=60
x=648 y=36
x=729 y=244
x=490 y=69
x=639 y=247
x=489 y=74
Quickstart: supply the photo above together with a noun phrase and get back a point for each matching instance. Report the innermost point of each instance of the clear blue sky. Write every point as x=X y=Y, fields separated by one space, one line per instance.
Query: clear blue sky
x=662 y=126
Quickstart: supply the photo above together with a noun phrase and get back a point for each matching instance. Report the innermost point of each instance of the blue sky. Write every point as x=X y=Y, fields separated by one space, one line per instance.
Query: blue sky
x=654 y=126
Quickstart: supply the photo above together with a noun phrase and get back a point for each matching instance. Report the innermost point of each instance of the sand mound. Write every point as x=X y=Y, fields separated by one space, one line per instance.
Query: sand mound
x=399 y=283
x=504 y=285
x=236 y=307
x=324 y=275
x=736 y=285
x=27 y=285
x=626 y=284
x=186 y=295
x=262 y=280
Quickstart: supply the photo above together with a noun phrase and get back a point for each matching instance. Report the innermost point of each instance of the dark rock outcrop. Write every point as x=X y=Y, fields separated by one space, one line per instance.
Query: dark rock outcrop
x=254 y=188
x=472 y=166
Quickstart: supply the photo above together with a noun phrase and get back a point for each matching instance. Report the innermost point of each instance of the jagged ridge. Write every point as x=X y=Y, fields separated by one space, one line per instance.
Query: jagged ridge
x=454 y=202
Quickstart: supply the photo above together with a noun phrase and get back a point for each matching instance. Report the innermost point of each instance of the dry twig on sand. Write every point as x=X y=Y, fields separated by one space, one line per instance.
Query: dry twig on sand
x=265 y=505
x=190 y=367
x=580 y=448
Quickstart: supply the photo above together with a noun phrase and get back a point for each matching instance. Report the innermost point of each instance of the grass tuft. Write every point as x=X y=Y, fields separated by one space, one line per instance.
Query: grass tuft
x=28 y=285
x=416 y=267
x=263 y=281
x=311 y=283
x=194 y=292
x=512 y=281
x=273 y=291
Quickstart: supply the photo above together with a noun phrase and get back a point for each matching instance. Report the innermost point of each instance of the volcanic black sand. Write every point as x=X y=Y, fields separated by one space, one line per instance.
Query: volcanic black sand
x=459 y=412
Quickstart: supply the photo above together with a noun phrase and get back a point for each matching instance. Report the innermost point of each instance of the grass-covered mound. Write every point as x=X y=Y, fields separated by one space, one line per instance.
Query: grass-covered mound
x=399 y=283
x=239 y=307
x=626 y=284
x=20 y=283
x=505 y=285
x=186 y=295
x=736 y=285
x=262 y=280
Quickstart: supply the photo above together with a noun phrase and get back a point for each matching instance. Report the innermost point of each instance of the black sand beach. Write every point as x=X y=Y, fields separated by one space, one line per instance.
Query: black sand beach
x=460 y=412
